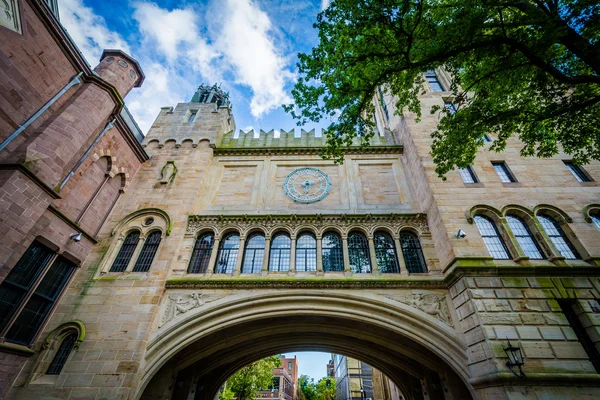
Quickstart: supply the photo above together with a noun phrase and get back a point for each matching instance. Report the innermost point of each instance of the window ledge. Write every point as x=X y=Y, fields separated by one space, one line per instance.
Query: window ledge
x=511 y=184
x=591 y=183
x=16 y=349
x=474 y=185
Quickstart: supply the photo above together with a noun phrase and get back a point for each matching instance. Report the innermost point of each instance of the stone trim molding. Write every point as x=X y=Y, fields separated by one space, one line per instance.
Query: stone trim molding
x=588 y=210
x=75 y=325
x=267 y=151
x=145 y=212
x=316 y=223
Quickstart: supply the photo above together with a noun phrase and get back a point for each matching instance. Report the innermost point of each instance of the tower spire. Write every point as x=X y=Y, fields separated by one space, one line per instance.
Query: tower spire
x=211 y=94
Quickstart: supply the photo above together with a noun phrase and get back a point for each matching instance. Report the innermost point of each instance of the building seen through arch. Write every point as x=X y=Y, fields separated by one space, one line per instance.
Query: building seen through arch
x=154 y=269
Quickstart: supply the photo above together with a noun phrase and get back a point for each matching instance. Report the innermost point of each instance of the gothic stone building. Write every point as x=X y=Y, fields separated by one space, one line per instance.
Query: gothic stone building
x=225 y=248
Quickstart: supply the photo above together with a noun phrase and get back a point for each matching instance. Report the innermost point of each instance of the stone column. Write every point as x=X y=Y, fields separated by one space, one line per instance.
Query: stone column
x=346 y=255
x=293 y=255
x=319 y=255
x=213 y=256
x=186 y=255
x=113 y=255
x=136 y=254
x=265 y=264
x=401 y=264
x=240 y=257
x=374 y=266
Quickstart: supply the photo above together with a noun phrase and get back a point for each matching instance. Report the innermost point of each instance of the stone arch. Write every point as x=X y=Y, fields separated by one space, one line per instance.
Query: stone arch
x=279 y=229
x=231 y=332
x=152 y=143
x=563 y=219
x=188 y=141
x=50 y=347
x=359 y=228
x=252 y=230
x=137 y=218
x=589 y=210
x=386 y=228
x=521 y=211
x=559 y=215
x=302 y=229
x=483 y=209
x=533 y=225
x=330 y=228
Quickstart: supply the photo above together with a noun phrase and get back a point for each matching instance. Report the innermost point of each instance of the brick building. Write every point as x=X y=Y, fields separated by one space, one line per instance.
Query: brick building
x=285 y=381
x=230 y=246
x=68 y=148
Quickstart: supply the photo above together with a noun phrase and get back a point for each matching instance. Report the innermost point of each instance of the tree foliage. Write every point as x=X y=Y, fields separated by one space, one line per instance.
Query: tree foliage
x=324 y=389
x=246 y=382
x=519 y=67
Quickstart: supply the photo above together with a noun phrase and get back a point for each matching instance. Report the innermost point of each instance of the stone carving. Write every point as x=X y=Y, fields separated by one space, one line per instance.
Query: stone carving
x=433 y=304
x=177 y=304
x=9 y=15
x=344 y=222
x=168 y=172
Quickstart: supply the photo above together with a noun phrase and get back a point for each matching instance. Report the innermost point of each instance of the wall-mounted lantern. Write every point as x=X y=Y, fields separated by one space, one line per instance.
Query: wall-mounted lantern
x=515 y=359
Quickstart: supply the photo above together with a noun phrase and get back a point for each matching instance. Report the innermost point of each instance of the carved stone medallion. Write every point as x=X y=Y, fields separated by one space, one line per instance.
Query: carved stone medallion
x=177 y=304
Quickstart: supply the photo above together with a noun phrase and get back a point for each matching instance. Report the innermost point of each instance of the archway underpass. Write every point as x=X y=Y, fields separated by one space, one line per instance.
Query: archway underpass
x=197 y=355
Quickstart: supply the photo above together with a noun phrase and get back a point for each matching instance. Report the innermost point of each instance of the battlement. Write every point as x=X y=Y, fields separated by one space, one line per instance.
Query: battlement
x=294 y=138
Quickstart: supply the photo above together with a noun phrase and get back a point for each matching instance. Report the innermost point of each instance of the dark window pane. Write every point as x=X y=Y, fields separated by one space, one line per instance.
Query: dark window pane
x=148 y=252
x=358 y=253
x=503 y=172
x=385 y=253
x=467 y=174
x=62 y=354
x=434 y=82
x=332 y=252
x=125 y=253
x=412 y=253
x=254 y=254
x=281 y=249
x=491 y=238
x=20 y=279
x=228 y=254
x=306 y=253
x=558 y=237
x=201 y=255
x=596 y=221
x=39 y=305
x=524 y=237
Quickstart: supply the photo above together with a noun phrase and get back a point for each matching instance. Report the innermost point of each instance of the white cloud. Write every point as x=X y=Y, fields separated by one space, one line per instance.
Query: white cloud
x=250 y=50
x=325 y=4
x=169 y=29
x=89 y=30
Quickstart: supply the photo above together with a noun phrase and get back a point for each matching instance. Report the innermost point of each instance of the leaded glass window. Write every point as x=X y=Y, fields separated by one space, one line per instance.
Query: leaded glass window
x=254 y=254
x=41 y=302
x=228 y=254
x=148 y=252
x=281 y=250
x=306 y=253
x=558 y=237
x=577 y=172
x=524 y=237
x=503 y=172
x=596 y=220
x=385 y=253
x=434 y=82
x=412 y=253
x=467 y=175
x=21 y=279
x=333 y=252
x=127 y=248
x=60 y=358
x=201 y=255
x=358 y=253
x=491 y=238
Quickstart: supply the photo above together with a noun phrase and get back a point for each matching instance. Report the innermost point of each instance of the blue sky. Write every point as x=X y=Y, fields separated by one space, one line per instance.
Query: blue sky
x=249 y=46
x=311 y=363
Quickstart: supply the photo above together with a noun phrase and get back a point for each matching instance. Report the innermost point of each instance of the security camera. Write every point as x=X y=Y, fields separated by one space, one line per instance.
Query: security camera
x=460 y=234
x=75 y=236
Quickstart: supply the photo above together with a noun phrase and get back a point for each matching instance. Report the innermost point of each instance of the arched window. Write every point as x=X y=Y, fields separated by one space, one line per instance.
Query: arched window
x=228 y=253
x=60 y=358
x=306 y=252
x=491 y=238
x=558 y=237
x=596 y=220
x=524 y=237
x=332 y=252
x=126 y=251
x=385 y=253
x=148 y=252
x=358 y=253
x=254 y=254
x=281 y=249
x=412 y=253
x=201 y=255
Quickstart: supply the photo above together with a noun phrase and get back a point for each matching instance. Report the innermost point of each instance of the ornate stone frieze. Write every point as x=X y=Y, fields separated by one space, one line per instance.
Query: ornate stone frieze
x=177 y=304
x=292 y=222
x=433 y=304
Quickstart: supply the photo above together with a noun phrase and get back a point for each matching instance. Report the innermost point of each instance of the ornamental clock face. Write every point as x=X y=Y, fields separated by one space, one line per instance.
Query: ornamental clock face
x=307 y=185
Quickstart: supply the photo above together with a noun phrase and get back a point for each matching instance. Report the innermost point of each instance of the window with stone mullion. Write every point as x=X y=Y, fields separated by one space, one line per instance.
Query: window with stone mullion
x=306 y=253
x=558 y=237
x=358 y=253
x=524 y=237
x=125 y=252
x=201 y=255
x=491 y=237
x=281 y=250
x=254 y=254
x=332 y=253
x=385 y=253
x=228 y=254
x=148 y=252
x=60 y=359
x=412 y=253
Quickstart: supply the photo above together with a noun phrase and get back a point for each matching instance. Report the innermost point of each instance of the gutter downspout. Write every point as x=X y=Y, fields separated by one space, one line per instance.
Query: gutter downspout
x=74 y=81
x=85 y=155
